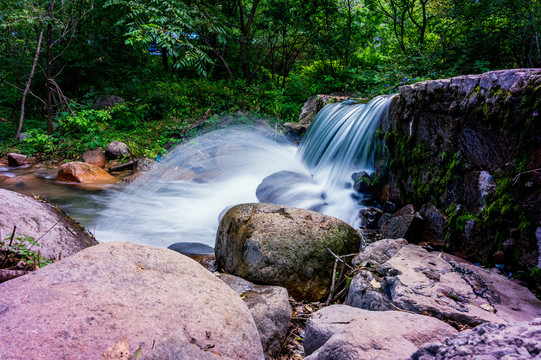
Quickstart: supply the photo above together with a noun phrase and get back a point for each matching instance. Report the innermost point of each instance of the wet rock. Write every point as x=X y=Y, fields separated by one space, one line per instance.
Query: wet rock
x=370 y=217
x=95 y=157
x=367 y=291
x=80 y=172
x=340 y=332
x=270 y=308
x=405 y=223
x=361 y=181
x=153 y=297
x=191 y=248
x=292 y=189
x=434 y=225
x=477 y=185
x=418 y=281
x=389 y=207
x=16 y=160
x=57 y=232
x=284 y=246
x=117 y=149
x=520 y=340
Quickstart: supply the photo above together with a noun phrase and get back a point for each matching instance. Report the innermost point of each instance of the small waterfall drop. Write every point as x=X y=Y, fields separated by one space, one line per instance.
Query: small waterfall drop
x=181 y=199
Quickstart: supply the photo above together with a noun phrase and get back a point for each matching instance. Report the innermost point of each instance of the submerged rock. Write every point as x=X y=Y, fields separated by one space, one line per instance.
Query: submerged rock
x=154 y=298
x=270 y=308
x=520 y=340
x=285 y=246
x=341 y=332
x=291 y=188
x=57 y=233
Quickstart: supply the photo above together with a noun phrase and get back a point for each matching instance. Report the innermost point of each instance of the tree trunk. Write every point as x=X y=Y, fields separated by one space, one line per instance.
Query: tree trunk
x=48 y=70
x=27 y=88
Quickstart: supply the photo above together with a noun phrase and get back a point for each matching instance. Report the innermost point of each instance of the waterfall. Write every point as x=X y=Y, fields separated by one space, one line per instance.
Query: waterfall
x=341 y=140
x=182 y=199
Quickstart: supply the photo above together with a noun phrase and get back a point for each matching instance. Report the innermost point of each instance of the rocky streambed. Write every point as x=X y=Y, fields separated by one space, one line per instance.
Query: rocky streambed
x=112 y=300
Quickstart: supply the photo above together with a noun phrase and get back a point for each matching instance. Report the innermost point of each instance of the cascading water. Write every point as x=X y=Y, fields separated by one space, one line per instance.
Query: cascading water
x=181 y=199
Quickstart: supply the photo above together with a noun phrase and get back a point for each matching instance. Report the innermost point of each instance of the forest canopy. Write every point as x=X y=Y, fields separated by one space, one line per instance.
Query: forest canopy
x=174 y=61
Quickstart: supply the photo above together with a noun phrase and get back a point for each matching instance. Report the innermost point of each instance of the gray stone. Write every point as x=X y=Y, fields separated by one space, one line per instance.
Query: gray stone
x=340 y=332
x=284 y=246
x=57 y=233
x=520 y=340
x=152 y=297
x=405 y=223
x=108 y=102
x=270 y=309
x=422 y=282
x=434 y=225
x=192 y=248
x=292 y=189
x=379 y=252
x=117 y=149
x=370 y=217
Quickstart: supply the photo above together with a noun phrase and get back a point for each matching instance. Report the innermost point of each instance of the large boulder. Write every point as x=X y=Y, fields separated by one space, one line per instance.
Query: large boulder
x=154 y=298
x=80 y=172
x=284 y=246
x=470 y=145
x=270 y=308
x=58 y=235
x=520 y=340
x=422 y=282
x=341 y=332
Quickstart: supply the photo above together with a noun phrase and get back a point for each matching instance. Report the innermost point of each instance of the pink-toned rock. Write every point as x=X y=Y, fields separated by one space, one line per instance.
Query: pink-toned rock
x=154 y=298
x=81 y=172
x=15 y=160
x=95 y=157
x=57 y=232
x=341 y=332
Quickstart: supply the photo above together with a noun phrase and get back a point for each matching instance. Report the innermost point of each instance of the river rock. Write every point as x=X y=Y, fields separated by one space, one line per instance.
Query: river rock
x=292 y=189
x=270 y=308
x=95 y=157
x=434 y=225
x=405 y=223
x=56 y=232
x=520 y=340
x=284 y=246
x=422 y=282
x=379 y=252
x=370 y=217
x=80 y=172
x=153 y=298
x=117 y=149
x=16 y=160
x=341 y=332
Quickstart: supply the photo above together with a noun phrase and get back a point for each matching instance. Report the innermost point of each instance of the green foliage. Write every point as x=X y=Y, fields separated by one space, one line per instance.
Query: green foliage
x=20 y=252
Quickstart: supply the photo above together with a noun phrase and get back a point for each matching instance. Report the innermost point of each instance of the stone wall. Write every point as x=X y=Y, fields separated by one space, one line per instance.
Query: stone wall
x=471 y=145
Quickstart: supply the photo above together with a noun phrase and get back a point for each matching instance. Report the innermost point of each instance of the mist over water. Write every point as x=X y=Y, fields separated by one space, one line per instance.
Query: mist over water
x=181 y=199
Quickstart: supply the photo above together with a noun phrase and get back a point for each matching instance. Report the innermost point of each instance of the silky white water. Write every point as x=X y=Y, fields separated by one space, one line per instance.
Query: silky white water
x=181 y=199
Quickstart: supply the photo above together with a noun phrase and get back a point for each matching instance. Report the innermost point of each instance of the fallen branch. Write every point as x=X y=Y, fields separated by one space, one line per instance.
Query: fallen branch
x=6 y=275
x=121 y=166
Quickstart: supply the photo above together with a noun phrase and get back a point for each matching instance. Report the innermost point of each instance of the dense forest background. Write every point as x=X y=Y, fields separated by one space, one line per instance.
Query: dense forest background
x=176 y=62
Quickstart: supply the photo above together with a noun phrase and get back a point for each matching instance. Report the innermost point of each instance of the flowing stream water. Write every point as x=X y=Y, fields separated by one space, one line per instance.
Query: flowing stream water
x=182 y=198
